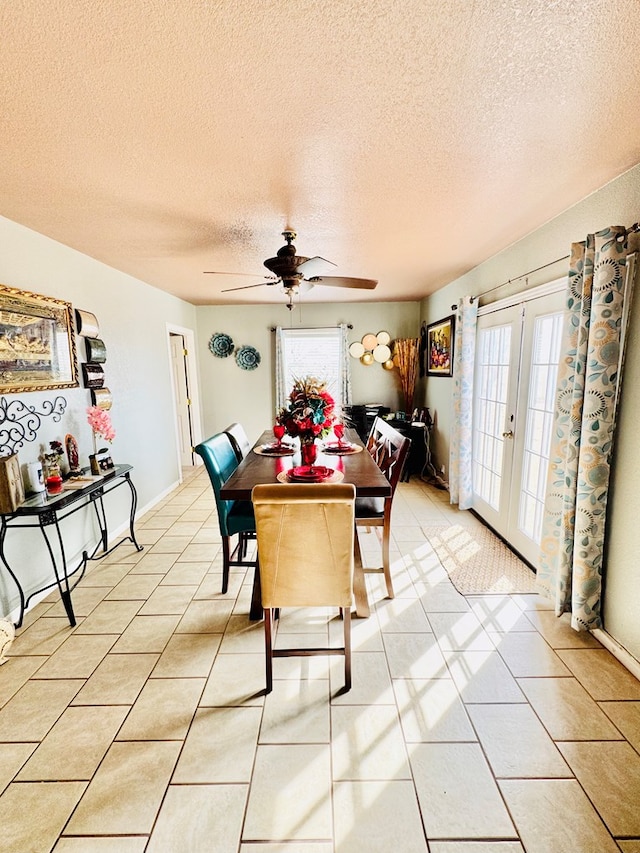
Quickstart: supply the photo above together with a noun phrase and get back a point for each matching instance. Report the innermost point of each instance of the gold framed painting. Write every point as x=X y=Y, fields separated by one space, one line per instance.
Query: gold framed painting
x=440 y=348
x=37 y=343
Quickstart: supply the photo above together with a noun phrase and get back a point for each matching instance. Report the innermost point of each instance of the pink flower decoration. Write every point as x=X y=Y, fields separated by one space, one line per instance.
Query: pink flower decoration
x=100 y=423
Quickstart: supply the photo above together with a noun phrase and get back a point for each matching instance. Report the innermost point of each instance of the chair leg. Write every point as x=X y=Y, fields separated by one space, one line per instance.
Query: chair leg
x=346 y=615
x=386 y=560
x=225 y=564
x=268 y=648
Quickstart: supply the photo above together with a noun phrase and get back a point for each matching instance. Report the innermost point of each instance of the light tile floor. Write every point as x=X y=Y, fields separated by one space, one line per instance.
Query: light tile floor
x=477 y=724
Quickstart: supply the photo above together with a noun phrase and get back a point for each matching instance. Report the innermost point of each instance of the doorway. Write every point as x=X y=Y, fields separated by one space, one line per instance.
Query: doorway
x=184 y=387
x=517 y=354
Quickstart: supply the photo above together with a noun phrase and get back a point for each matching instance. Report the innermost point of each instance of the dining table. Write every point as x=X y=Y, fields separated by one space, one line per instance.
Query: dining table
x=356 y=467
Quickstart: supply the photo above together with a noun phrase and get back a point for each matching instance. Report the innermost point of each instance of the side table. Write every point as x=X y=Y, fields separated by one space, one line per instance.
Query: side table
x=44 y=511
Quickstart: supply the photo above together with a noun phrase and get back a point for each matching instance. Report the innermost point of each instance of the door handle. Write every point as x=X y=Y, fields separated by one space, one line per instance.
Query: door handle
x=508 y=434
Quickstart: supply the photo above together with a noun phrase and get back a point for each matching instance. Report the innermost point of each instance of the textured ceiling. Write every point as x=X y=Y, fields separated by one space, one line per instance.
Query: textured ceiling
x=405 y=140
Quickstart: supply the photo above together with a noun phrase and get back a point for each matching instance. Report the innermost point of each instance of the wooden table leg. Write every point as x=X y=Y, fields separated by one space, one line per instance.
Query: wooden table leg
x=359 y=585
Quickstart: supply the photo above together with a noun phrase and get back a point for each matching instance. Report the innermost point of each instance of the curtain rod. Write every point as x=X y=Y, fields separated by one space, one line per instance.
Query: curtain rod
x=349 y=326
x=517 y=278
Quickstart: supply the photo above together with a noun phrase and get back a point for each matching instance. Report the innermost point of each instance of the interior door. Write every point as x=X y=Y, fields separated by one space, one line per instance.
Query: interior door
x=183 y=402
x=517 y=358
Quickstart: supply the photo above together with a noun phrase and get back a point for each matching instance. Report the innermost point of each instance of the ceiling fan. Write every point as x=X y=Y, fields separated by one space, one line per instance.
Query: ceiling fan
x=292 y=270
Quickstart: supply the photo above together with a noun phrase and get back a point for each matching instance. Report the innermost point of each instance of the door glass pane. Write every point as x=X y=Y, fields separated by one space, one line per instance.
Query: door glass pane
x=494 y=346
x=542 y=382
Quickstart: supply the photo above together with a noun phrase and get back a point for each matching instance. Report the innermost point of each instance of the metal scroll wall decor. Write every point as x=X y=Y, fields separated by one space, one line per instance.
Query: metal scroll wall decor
x=20 y=423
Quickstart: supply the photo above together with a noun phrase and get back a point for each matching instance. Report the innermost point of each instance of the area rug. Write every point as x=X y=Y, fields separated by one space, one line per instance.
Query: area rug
x=477 y=562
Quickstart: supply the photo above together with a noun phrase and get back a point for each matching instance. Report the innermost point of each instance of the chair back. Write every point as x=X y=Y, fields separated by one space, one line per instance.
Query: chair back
x=220 y=461
x=305 y=544
x=389 y=448
x=239 y=440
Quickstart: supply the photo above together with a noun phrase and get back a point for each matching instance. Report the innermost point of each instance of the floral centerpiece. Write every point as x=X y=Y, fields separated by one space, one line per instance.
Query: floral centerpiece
x=309 y=414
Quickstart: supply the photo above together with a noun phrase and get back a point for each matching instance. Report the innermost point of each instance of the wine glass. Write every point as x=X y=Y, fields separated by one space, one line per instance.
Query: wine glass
x=338 y=429
x=278 y=431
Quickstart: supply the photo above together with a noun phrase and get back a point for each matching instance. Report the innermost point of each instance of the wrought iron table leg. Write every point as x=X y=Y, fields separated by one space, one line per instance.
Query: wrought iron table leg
x=3 y=533
x=63 y=582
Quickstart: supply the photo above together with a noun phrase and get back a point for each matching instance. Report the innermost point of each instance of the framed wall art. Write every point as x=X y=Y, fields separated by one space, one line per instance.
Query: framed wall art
x=37 y=344
x=439 y=347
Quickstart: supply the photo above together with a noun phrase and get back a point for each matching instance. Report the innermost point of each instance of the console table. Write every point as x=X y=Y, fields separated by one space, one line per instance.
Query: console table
x=43 y=511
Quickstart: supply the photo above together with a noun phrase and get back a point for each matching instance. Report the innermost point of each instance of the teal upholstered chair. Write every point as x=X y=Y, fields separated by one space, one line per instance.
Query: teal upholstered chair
x=234 y=517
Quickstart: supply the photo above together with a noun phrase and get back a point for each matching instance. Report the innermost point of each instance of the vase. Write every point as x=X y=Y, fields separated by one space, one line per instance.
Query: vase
x=308 y=451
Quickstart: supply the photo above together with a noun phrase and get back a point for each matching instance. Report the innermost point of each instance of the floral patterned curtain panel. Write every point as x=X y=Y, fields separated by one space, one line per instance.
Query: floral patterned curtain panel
x=573 y=532
x=461 y=442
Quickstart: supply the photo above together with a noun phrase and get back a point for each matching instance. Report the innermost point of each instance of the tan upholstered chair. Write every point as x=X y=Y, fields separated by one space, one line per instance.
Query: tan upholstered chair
x=389 y=449
x=305 y=554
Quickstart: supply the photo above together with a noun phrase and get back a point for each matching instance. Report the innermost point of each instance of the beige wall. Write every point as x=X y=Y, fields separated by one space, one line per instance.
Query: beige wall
x=618 y=203
x=132 y=319
x=230 y=394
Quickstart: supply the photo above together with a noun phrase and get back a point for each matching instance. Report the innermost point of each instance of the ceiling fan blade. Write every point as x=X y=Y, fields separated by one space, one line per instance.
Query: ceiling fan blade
x=314 y=266
x=342 y=281
x=248 y=286
x=251 y=274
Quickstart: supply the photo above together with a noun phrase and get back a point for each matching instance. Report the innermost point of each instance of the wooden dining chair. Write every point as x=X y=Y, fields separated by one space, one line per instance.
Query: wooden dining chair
x=234 y=517
x=239 y=440
x=389 y=448
x=305 y=554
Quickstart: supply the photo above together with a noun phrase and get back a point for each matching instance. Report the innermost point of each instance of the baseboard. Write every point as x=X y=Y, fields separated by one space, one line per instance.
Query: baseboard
x=618 y=651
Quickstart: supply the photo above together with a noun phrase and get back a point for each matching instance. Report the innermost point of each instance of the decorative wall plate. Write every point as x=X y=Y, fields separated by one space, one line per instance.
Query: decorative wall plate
x=247 y=358
x=382 y=353
x=87 y=324
x=93 y=375
x=221 y=345
x=383 y=338
x=96 y=350
x=101 y=397
x=370 y=342
x=356 y=349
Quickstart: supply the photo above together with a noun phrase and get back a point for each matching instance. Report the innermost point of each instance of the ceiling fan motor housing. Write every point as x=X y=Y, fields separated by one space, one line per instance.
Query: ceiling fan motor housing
x=285 y=264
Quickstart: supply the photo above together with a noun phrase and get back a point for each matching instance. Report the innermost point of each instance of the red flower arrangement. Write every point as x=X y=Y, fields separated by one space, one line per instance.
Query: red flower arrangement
x=310 y=411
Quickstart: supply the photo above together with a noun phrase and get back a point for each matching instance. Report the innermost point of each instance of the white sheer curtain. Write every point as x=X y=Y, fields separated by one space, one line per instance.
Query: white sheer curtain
x=461 y=440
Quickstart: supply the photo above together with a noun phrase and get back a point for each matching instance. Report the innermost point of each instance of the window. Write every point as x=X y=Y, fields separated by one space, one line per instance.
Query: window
x=313 y=352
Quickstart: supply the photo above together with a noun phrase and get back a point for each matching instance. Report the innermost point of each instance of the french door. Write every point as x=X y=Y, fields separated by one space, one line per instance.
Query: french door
x=517 y=354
